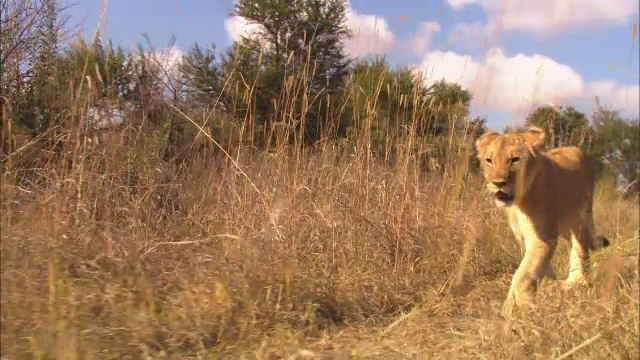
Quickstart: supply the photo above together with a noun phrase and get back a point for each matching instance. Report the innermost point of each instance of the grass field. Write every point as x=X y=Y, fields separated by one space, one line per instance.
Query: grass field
x=315 y=253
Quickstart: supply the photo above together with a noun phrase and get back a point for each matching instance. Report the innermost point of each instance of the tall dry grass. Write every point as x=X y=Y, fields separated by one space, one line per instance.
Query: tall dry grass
x=325 y=251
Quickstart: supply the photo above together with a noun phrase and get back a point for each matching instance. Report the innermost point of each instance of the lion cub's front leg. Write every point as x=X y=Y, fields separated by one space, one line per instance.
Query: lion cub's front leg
x=514 y=219
x=534 y=266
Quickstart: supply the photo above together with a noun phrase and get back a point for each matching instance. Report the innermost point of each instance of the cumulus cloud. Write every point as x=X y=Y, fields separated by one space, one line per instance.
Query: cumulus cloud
x=237 y=27
x=168 y=59
x=473 y=37
x=474 y=34
x=371 y=34
x=458 y=4
x=548 y=16
x=516 y=83
x=623 y=97
x=505 y=83
x=421 y=41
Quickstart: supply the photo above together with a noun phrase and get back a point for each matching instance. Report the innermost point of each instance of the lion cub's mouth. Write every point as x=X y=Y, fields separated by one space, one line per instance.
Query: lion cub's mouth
x=504 y=197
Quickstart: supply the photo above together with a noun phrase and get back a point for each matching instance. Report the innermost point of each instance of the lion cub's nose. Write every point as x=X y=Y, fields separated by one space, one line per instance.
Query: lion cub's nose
x=499 y=183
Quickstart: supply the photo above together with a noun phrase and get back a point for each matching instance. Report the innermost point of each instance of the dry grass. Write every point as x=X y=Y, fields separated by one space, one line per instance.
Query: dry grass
x=316 y=253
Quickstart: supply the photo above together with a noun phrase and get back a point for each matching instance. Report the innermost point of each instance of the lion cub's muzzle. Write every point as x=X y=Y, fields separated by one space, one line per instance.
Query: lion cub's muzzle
x=504 y=197
x=503 y=193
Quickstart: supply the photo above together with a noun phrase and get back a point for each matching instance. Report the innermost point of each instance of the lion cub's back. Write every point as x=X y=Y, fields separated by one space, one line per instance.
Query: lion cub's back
x=568 y=157
x=572 y=169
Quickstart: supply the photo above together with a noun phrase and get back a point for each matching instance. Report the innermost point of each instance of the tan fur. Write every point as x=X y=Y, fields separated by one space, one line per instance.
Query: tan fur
x=545 y=196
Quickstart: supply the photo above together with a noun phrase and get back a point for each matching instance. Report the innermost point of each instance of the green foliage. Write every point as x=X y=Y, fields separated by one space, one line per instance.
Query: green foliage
x=248 y=93
x=514 y=129
x=612 y=141
x=28 y=50
x=449 y=104
x=290 y=73
x=382 y=99
x=616 y=143
x=392 y=103
x=565 y=125
x=202 y=76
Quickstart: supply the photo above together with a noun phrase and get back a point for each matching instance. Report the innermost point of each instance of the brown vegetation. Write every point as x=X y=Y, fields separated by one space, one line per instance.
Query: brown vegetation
x=317 y=251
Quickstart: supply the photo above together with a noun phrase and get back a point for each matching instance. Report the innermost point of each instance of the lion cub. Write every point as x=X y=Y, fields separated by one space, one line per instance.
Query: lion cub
x=545 y=195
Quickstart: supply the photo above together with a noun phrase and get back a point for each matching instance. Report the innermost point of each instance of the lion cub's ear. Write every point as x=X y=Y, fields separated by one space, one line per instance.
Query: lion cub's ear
x=534 y=137
x=484 y=140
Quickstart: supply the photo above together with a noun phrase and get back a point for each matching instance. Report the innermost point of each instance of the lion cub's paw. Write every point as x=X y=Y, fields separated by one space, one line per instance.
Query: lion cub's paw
x=575 y=283
x=507 y=310
x=511 y=308
x=550 y=274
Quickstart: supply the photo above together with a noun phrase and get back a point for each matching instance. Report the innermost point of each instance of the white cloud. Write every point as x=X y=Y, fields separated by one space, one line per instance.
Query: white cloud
x=237 y=27
x=473 y=32
x=549 y=16
x=168 y=59
x=371 y=34
x=504 y=83
x=515 y=84
x=474 y=35
x=623 y=97
x=422 y=37
x=458 y=4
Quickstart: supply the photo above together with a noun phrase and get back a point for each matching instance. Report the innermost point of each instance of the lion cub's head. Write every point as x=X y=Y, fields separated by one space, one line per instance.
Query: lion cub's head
x=508 y=162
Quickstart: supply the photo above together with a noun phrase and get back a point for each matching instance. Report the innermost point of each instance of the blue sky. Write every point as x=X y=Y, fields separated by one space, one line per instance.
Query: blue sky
x=514 y=57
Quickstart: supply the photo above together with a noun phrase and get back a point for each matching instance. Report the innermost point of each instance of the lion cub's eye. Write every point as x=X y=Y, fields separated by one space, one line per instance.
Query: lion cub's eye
x=488 y=161
x=515 y=159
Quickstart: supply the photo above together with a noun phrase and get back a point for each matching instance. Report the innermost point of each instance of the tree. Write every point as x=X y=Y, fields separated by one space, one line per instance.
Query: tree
x=514 y=129
x=321 y=33
x=564 y=125
x=30 y=32
x=383 y=98
x=616 y=144
x=296 y=63
x=202 y=76
x=448 y=107
x=169 y=78
x=476 y=127
x=44 y=64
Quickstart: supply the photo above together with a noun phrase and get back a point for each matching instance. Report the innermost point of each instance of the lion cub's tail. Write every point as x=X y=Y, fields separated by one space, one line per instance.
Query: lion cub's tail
x=599 y=241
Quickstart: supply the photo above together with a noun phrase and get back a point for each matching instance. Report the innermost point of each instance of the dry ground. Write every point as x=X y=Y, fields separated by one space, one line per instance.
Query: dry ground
x=297 y=255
